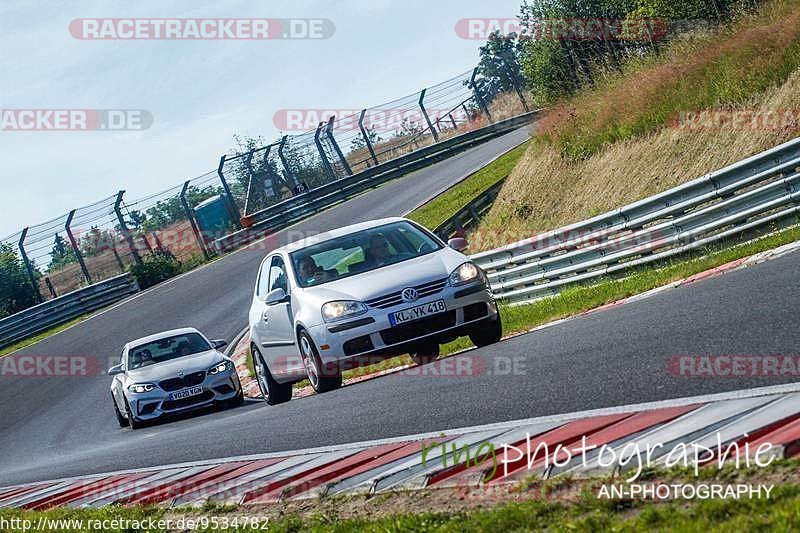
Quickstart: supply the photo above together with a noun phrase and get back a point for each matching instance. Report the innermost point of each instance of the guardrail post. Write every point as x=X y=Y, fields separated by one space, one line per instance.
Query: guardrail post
x=366 y=136
x=53 y=293
x=287 y=170
x=123 y=227
x=75 y=248
x=325 y=163
x=116 y=255
x=474 y=86
x=427 y=118
x=231 y=202
x=192 y=222
x=329 y=134
x=28 y=265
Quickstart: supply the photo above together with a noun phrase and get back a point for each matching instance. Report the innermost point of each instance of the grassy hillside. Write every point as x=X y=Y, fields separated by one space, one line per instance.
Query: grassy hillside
x=618 y=142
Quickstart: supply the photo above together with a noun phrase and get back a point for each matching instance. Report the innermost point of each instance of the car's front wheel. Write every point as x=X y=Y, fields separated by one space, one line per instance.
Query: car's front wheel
x=322 y=378
x=487 y=332
x=273 y=392
x=425 y=353
x=121 y=420
x=132 y=422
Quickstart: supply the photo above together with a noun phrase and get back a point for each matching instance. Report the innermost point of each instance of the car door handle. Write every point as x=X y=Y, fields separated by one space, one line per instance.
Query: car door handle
x=265 y=317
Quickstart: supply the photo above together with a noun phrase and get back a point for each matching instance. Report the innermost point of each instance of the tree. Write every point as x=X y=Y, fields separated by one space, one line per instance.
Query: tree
x=500 y=60
x=358 y=141
x=16 y=292
x=96 y=241
x=61 y=255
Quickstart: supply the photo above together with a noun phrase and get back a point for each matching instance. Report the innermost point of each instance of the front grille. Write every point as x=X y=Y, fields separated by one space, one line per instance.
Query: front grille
x=418 y=328
x=189 y=380
x=170 y=405
x=358 y=345
x=475 y=311
x=394 y=298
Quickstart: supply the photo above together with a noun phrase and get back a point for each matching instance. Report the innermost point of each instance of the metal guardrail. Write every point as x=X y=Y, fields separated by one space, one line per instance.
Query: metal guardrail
x=469 y=215
x=749 y=194
x=64 y=308
x=304 y=205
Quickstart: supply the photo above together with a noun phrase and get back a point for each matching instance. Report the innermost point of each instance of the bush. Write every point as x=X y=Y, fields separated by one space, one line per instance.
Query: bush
x=155 y=268
x=16 y=292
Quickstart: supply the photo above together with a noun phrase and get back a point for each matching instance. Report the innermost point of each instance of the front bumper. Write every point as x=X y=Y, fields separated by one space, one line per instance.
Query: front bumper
x=156 y=403
x=372 y=336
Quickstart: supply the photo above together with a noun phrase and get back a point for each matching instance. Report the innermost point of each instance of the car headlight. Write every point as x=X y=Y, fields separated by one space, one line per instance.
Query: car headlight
x=222 y=367
x=465 y=273
x=141 y=387
x=333 y=311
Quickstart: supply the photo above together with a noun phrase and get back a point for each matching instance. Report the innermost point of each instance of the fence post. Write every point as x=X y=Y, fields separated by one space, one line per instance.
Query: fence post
x=192 y=222
x=231 y=202
x=427 y=118
x=366 y=136
x=248 y=164
x=124 y=229
x=478 y=96
x=515 y=82
x=28 y=266
x=329 y=134
x=75 y=248
x=286 y=168
x=325 y=164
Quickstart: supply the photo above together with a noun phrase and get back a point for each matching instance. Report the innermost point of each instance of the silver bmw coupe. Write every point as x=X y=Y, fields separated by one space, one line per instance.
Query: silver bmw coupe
x=169 y=373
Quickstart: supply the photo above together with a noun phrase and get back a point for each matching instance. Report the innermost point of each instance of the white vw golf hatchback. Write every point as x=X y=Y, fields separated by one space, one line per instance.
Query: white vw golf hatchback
x=360 y=293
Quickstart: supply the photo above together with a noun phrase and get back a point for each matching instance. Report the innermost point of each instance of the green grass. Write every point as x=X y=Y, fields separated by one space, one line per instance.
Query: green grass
x=727 y=67
x=43 y=335
x=448 y=203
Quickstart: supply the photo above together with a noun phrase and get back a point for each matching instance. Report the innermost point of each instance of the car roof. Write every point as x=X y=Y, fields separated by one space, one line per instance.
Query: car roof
x=338 y=232
x=162 y=335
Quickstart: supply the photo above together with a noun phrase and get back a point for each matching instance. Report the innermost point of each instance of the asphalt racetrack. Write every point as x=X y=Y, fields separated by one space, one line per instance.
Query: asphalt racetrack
x=56 y=427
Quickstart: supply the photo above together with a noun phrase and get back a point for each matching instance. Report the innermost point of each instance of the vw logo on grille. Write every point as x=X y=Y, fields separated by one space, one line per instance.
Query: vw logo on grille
x=409 y=294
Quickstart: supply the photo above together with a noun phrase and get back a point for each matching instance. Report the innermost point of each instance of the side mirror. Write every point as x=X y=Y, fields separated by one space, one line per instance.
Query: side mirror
x=276 y=296
x=458 y=243
x=116 y=370
x=219 y=343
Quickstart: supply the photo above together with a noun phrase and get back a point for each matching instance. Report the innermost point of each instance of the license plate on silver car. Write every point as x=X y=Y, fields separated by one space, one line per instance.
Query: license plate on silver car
x=416 y=313
x=186 y=393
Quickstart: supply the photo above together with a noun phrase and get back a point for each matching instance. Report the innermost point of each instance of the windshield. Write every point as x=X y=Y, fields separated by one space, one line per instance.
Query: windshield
x=166 y=349
x=360 y=252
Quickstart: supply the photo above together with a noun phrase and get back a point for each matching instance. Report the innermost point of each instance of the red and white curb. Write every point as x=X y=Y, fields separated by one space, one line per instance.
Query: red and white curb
x=748 y=418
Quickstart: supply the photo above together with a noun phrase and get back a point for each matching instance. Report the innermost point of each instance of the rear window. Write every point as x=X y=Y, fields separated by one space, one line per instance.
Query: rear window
x=166 y=349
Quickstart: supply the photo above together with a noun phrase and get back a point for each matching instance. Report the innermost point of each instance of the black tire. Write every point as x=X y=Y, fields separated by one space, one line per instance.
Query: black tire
x=425 y=353
x=322 y=379
x=121 y=420
x=132 y=422
x=272 y=392
x=487 y=332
